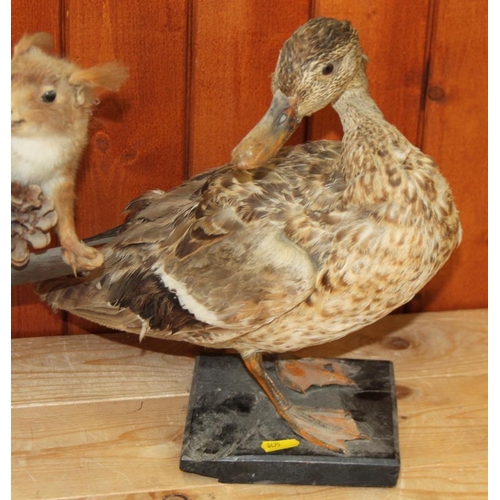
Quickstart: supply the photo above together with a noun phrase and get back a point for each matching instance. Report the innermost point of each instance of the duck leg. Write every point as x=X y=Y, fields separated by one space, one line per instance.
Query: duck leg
x=326 y=428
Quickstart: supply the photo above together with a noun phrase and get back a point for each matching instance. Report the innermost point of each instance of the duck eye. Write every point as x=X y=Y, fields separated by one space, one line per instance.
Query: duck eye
x=327 y=70
x=49 y=96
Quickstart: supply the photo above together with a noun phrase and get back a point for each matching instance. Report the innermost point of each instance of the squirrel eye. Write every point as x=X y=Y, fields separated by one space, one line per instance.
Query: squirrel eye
x=328 y=69
x=49 y=96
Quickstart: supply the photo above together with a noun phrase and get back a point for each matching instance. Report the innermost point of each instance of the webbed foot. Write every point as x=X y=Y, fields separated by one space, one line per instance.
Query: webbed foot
x=301 y=374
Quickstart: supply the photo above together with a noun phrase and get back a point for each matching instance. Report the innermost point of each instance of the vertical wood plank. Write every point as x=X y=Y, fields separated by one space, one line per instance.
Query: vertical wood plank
x=137 y=140
x=31 y=318
x=29 y=17
x=137 y=135
x=397 y=74
x=28 y=316
x=235 y=47
x=455 y=133
x=219 y=79
x=394 y=39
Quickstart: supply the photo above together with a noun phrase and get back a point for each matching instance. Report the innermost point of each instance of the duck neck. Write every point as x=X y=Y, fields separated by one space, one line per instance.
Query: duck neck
x=356 y=107
x=367 y=136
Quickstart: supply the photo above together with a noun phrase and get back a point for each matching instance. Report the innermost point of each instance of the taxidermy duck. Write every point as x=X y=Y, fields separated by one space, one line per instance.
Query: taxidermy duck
x=280 y=250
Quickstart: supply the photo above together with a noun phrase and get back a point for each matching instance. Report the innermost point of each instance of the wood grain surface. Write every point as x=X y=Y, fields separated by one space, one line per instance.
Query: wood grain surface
x=137 y=136
x=28 y=316
x=234 y=49
x=200 y=78
x=455 y=134
x=394 y=40
x=102 y=417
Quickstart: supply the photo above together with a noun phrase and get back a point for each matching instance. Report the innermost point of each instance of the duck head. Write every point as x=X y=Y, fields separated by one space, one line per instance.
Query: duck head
x=315 y=67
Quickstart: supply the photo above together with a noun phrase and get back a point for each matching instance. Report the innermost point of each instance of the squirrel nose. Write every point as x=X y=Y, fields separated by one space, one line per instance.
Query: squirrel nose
x=15 y=119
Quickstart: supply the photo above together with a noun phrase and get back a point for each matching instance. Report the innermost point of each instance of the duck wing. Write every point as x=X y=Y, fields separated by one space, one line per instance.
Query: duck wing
x=210 y=255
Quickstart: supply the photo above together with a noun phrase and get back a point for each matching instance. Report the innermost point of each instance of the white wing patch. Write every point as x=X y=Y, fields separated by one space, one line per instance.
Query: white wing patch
x=187 y=301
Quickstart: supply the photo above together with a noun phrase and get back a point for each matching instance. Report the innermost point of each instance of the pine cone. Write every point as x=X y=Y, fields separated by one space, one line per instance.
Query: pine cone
x=32 y=218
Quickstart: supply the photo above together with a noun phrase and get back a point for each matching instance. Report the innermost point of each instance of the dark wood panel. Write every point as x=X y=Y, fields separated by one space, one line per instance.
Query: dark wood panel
x=29 y=317
x=455 y=133
x=200 y=79
x=138 y=135
x=394 y=39
x=235 y=46
x=137 y=140
x=28 y=16
x=453 y=128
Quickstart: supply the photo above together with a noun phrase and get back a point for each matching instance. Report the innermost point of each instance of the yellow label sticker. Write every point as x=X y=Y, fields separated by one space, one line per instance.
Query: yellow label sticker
x=282 y=444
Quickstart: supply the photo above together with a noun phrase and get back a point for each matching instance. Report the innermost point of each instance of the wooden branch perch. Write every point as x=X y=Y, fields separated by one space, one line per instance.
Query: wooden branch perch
x=49 y=264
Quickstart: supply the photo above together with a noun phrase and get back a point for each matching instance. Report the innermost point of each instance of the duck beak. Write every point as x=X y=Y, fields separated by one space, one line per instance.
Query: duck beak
x=267 y=137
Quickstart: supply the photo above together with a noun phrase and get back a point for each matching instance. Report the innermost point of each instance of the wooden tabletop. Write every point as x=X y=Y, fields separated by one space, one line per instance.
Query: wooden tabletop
x=102 y=417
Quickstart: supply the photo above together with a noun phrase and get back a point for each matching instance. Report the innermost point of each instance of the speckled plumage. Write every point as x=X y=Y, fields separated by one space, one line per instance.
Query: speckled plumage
x=313 y=244
x=323 y=239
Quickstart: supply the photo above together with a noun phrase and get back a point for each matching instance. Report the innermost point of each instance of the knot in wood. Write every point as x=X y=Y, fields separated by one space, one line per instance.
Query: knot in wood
x=436 y=93
x=102 y=141
x=396 y=343
x=403 y=392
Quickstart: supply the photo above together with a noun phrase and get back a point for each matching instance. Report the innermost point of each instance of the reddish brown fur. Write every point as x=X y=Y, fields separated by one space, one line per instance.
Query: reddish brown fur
x=48 y=137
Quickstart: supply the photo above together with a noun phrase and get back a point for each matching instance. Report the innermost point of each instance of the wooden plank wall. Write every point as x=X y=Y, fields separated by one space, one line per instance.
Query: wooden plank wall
x=200 y=79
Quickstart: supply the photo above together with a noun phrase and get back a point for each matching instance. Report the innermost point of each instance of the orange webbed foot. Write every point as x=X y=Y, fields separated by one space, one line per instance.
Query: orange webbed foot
x=325 y=427
x=301 y=374
x=328 y=428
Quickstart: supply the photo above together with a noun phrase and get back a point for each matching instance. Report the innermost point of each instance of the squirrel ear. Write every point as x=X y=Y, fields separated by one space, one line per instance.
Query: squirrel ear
x=41 y=40
x=82 y=94
x=108 y=76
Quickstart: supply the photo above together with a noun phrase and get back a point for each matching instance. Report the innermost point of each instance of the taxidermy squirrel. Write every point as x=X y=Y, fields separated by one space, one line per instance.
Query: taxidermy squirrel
x=51 y=104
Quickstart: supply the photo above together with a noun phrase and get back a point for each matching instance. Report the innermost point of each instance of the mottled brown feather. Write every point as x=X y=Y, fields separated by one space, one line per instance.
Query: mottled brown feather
x=319 y=241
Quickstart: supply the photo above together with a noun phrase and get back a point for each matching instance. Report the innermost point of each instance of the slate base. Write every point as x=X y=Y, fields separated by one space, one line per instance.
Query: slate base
x=229 y=416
